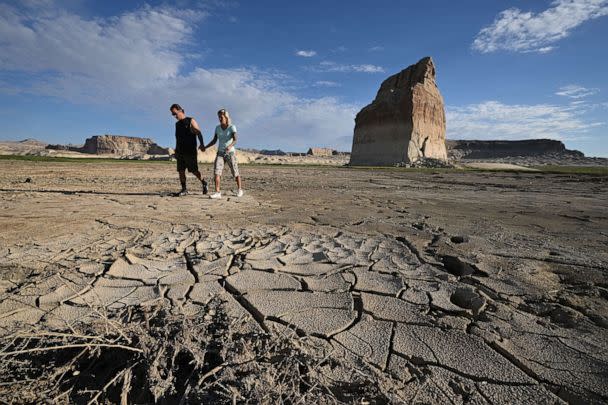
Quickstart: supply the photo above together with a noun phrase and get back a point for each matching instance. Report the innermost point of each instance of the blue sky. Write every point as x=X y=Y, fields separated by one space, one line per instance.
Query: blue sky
x=294 y=74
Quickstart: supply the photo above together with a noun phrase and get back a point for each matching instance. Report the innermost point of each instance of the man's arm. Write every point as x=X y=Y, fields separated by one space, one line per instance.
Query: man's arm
x=196 y=130
x=213 y=141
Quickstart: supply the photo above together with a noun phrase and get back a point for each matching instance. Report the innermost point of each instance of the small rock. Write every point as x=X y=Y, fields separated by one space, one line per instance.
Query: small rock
x=28 y=180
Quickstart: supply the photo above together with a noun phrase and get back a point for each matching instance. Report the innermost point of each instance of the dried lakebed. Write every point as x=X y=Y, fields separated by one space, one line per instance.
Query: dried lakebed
x=442 y=286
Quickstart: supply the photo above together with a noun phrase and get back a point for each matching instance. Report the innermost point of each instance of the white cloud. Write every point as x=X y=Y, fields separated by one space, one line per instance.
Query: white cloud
x=135 y=47
x=326 y=83
x=545 y=49
x=519 y=31
x=328 y=66
x=575 y=91
x=376 y=48
x=495 y=120
x=136 y=62
x=306 y=54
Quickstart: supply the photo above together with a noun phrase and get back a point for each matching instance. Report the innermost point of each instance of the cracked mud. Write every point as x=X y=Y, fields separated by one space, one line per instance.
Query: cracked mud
x=463 y=287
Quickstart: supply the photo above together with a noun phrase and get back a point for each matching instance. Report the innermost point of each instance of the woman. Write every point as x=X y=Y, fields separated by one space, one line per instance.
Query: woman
x=225 y=136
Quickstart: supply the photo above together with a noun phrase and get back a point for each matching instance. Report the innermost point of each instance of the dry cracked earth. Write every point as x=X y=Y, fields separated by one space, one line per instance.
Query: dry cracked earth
x=443 y=286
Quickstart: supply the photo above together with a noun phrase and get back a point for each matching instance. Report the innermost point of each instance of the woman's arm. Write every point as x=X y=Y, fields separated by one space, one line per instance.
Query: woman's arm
x=231 y=144
x=213 y=141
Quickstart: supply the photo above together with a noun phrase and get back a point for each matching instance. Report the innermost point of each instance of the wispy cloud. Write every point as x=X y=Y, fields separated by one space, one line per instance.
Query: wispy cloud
x=574 y=91
x=328 y=66
x=326 y=83
x=376 y=48
x=495 y=120
x=519 y=31
x=130 y=59
x=306 y=54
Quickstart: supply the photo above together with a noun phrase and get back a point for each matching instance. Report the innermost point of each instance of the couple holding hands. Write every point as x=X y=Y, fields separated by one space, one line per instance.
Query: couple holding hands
x=186 y=133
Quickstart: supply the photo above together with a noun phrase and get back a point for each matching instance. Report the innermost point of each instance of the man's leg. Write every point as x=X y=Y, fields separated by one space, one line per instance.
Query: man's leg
x=182 y=178
x=239 y=184
x=203 y=182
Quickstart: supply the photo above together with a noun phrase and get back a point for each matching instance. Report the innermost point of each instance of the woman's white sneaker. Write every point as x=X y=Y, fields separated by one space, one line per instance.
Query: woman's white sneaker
x=216 y=195
x=240 y=192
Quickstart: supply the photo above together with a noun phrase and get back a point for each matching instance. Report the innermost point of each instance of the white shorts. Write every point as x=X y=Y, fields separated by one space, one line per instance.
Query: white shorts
x=230 y=159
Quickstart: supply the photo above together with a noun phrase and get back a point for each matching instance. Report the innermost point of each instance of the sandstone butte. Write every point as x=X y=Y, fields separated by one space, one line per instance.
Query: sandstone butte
x=121 y=145
x=320 y=152
x=404 y=123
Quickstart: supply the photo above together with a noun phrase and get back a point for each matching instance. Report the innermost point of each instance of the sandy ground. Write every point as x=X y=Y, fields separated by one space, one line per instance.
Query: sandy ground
x=453 y=286
x=497 y=166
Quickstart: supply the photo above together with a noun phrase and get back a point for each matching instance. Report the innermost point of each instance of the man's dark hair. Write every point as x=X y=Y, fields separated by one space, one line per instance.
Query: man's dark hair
x=176 y=107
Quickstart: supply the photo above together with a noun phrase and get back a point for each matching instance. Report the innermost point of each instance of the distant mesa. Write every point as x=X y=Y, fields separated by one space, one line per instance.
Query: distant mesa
x=32 y=142
x=404 y=123
x=275 y=152
x=473 y=149
x=320 y=152
x=68 y=147
x=116 y=145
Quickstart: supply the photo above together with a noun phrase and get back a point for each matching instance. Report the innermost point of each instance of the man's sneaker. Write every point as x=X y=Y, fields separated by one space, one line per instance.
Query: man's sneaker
x=216 y=195
x=205 y=187
x=182 y=193
x=239 y=193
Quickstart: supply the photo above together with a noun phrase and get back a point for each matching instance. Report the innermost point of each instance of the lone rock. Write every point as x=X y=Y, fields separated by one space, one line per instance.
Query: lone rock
x=404 y=123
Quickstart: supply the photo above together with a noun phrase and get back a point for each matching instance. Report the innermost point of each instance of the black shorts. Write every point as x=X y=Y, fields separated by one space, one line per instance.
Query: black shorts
x=187 y=162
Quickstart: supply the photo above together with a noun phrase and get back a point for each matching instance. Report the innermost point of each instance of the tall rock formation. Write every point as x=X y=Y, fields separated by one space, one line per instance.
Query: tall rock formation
x=405 y=122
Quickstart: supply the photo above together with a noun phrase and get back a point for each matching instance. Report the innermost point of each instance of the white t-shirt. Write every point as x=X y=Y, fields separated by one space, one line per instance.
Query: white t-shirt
x=224 y=137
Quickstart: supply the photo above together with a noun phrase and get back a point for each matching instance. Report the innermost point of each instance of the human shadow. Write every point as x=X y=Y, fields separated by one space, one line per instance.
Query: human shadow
x=74 y=192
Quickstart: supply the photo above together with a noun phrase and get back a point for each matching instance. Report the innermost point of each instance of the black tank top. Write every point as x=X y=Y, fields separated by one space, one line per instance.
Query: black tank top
x=185 y=137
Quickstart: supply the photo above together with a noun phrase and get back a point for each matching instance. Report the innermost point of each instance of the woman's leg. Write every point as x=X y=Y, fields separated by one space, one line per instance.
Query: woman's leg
x=218 y=168
x=234 y=168
x=217 y=183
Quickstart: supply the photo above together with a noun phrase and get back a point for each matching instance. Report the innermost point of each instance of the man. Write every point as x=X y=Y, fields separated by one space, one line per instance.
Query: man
x=186 y=133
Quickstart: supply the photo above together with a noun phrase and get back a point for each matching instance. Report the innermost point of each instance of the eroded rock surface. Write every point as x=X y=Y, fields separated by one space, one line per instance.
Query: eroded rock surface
x=405 y=122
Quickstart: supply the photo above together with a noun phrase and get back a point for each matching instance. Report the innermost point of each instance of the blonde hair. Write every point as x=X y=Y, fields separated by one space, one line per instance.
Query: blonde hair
x=225 y=113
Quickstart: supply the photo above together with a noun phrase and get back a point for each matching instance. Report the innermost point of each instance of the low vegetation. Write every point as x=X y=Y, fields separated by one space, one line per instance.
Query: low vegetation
x=150 y=355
